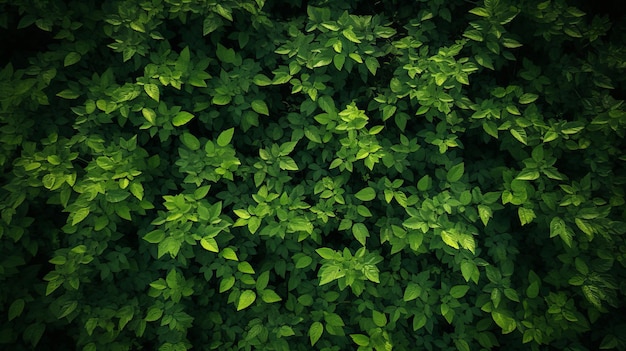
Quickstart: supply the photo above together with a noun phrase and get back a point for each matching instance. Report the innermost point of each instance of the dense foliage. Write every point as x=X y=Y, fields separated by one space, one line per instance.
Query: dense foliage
x=337 y=175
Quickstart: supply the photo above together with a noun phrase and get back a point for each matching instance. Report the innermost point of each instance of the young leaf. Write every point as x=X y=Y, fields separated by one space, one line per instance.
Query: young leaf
x=225 y=137
x=246 y=299
x=245 y=267
x=270 y=296
x=149 y=115
x=519 y=134
x=71 y=58
x=456 y=172
x=153 y=91
x=350 y=35
x=379 y=318
x=504 y=321
x=360 y=232
x=366 y=194
x=527 y=98
x=326 y=253
x=315 y=332
x=526 y=215
x=225 y=55
x=412 y=292
x=182 y=118
x=229 y=254
x=458 y=291
x=79 y=215
x=360 y=339
x=190 y=141
x=260 y=107
x=424 y=183
x=209 y=244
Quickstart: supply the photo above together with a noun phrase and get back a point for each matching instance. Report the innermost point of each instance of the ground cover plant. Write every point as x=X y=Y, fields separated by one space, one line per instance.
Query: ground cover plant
x=321 y=175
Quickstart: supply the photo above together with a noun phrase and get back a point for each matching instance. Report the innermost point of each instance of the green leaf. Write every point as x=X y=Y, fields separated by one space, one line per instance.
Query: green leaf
x=154 y=313
x=303 y=262
x=245 y=267
x=366 y=194
x=533 y=290
x=372 y=65
x=512 y=109
x=511 y=43
x=371 y=273
x=225 y=137
x=149 y=115
x=519 y=134
x=16 y=308
x=71 y=58
x=424 y=183
x=526 y=215
x=226 y=283
x=68 y=94
x=360 y=232
x=315 y=332
x=246 y=299
x=329 y=273
x=485 y=213
x=79 y=215
x=360 y=339
x=455 y=173
x=339 y=60
x=479 y=11
x=458 y=291
x=225 y=55
x=350 y=35
x=260 y=107
x=326 y=103
x=261 y=80
x=287 y=163
x=504 y=321
x=379 y=318
x=209 y=244
x=326 y=253
x=229 y=254
x=475 y=35
x=450 y=239
x=221 y=100
x=155 y=236
x=153 y=91
x=182 y=118
x=190 y=141
x=467 y=269
x=558 y=227
x=270 y=296
x=412 y=292
x=527 y=98
x=528 y=174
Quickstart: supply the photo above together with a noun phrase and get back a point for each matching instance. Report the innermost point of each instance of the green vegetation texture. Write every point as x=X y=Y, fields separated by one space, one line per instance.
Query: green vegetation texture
x=332 y=175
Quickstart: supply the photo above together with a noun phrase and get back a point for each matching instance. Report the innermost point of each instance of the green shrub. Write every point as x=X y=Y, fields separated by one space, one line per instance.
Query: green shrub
x=338 y=175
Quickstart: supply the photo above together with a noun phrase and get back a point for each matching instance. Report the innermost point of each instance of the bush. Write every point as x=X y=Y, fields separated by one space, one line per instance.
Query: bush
x=274 y=175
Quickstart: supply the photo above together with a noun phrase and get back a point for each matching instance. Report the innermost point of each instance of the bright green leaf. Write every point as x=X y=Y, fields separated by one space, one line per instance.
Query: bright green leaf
x=153 y=91
x=225 y=137
x=455 y=173
x=366 y=194
x=246 y=299
x=182 y=118
x=360 y=232
x=315 y=332
x=260 y=107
